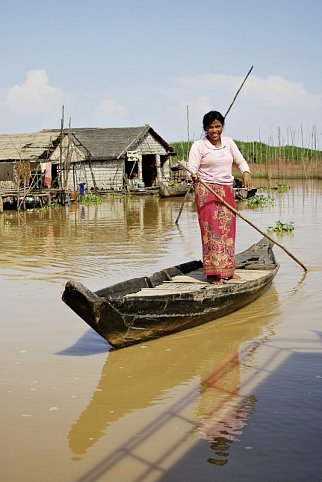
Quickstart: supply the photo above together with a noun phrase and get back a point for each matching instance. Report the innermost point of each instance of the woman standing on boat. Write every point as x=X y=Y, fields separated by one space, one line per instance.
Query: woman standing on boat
x=211 y=159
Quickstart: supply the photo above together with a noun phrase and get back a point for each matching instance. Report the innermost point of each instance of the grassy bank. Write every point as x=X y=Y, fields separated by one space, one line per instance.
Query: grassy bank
x=275 y=162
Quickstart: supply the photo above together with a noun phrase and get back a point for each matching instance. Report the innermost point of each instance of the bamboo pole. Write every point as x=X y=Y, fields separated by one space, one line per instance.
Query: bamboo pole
x=68 y=155
x=244 y=219
x=184 y=200
x=302 y=154
x=240 y=88
x=60 y=178
x=188 y=125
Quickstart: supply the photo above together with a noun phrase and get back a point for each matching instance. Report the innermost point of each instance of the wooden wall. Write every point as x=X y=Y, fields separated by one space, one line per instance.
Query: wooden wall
x=151 y=146
x=108 y=175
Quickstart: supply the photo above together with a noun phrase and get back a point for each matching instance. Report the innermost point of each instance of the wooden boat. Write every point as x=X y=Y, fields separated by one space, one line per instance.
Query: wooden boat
x=144 y=191
x=172 y=299
x=240 y=192
x=173 y=189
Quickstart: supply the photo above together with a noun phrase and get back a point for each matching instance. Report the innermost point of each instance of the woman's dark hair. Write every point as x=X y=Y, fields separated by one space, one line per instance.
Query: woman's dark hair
x=210 y=117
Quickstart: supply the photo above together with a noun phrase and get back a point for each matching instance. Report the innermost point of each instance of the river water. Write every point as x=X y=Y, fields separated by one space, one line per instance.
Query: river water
x=238 y=399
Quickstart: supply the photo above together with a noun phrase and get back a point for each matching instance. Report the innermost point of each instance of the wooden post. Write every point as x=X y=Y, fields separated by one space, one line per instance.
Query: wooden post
x=158 y=167
x=140 y=171
x=60 y=178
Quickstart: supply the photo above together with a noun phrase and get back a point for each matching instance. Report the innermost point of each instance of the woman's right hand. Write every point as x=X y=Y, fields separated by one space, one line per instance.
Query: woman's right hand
x=195 y=177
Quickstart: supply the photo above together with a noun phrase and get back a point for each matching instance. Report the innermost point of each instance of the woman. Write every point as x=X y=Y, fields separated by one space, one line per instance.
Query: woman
x=211 y=160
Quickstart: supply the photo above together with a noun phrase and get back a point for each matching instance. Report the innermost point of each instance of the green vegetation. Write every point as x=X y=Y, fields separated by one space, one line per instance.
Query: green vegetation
x=258 y=152
x=90 y=199
x=182 y=151
x=280 y=187
x=280 y=228
x=51 y=205
x=259 y=200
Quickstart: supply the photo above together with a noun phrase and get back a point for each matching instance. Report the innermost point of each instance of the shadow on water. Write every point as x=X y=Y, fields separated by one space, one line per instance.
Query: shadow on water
x=88 y=344
x=222 y=415
x=299 y=394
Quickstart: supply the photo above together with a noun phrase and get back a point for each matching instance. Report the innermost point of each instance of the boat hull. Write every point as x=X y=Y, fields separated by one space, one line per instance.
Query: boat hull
x=171 y=300
x=167 y=190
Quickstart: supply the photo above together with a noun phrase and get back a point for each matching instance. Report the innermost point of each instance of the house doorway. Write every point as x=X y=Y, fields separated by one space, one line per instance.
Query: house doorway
x=149 y=170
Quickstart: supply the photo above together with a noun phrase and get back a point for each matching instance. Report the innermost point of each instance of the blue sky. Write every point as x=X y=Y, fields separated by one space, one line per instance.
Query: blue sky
x=134 y=62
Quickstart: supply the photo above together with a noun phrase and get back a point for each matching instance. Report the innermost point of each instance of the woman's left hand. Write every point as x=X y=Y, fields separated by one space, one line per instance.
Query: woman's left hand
x=247 y=180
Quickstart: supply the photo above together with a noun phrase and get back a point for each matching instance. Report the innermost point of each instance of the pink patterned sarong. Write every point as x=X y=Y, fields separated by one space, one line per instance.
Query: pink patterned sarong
x=218 y=229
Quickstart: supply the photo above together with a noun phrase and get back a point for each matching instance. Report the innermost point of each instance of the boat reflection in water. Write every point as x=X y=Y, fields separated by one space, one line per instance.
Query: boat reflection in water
x=194 y=377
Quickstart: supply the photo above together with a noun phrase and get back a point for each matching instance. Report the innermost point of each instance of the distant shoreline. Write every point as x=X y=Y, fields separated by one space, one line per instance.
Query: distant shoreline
x=286 y=170
x=274 y=162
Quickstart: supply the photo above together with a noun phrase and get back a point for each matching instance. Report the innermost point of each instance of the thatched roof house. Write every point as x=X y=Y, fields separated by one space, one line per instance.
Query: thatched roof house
x=114 y=143
x=27 y=147
x=103 y=158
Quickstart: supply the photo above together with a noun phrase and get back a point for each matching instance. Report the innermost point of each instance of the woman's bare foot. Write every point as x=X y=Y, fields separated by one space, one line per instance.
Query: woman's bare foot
x=214 y=280
x=234 y=277
x=217 y=281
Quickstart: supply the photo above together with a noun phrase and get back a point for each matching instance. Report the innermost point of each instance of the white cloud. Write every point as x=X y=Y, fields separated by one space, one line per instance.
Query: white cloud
x=263 y=104
x=272 y=90
x=34 y=96
x=110 y=109
x=277 y=91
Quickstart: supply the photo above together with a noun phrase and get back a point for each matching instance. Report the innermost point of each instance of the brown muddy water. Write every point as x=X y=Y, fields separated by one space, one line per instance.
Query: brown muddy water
x=233 y=400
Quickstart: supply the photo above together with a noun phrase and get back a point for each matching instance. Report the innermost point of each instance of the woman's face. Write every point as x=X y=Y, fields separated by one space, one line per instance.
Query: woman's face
x=214 y=131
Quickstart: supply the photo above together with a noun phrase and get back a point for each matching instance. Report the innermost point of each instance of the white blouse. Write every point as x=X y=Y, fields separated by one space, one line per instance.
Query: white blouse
x=214 y=164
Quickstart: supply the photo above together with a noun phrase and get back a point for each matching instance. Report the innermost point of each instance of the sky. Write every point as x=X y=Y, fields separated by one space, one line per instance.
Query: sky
x=127 y=63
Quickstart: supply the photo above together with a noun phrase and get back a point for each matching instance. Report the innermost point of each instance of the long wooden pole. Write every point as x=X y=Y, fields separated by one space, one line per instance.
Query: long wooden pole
x=243 y=218
x=184 y=200
x=232 y=103
x=240 y=88
x=60 y=178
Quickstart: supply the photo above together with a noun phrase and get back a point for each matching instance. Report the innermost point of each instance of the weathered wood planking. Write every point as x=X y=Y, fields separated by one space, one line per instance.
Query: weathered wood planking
x=185 y=283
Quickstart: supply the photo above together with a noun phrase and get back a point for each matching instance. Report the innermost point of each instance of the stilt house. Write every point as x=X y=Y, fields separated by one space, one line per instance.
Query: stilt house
x=103 y=159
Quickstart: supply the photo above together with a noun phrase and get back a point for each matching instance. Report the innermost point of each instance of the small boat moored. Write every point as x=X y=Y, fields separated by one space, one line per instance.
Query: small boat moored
x=173 y=189
x=171 y=300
